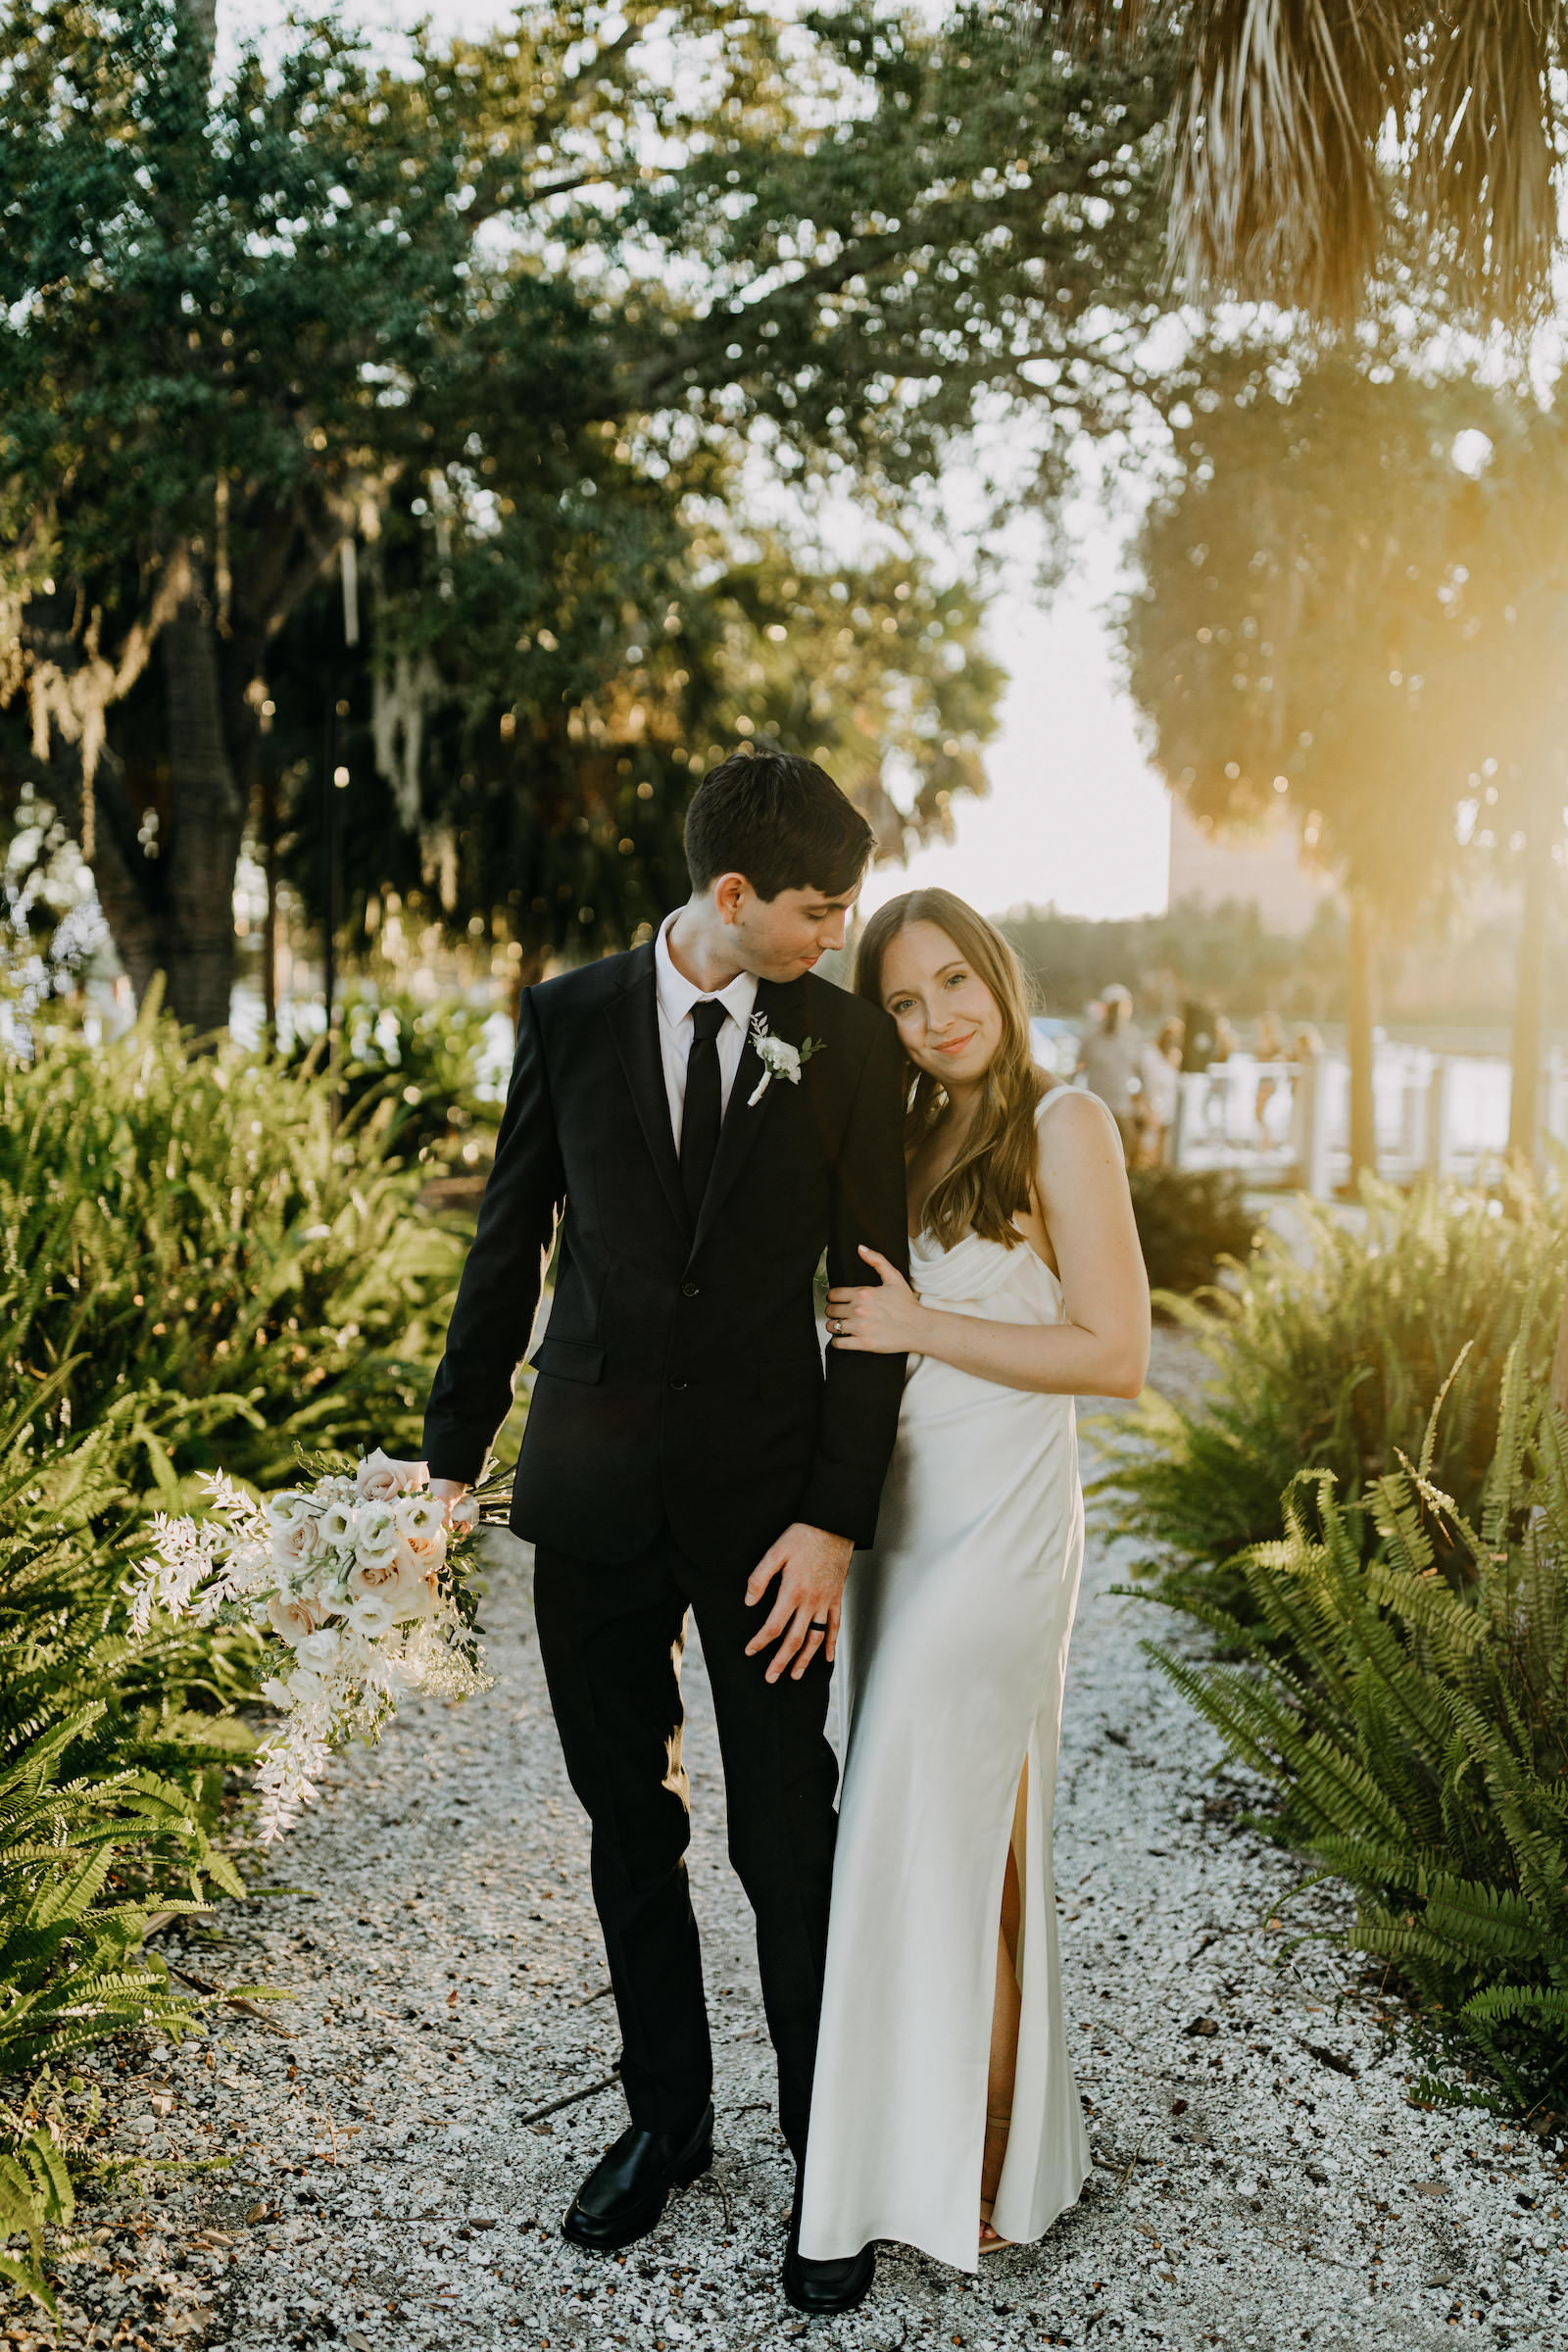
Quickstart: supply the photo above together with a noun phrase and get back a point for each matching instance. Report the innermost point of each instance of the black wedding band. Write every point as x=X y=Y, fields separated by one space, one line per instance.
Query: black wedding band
x=819 y=1625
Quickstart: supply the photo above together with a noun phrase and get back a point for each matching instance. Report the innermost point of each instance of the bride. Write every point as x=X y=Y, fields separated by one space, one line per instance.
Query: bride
x=944 y=2112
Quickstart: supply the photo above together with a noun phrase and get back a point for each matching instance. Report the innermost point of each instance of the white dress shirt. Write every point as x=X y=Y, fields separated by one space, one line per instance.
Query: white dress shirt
x=676 y=997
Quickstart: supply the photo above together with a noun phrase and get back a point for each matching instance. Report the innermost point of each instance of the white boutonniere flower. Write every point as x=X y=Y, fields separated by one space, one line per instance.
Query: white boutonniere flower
x=778 y=1059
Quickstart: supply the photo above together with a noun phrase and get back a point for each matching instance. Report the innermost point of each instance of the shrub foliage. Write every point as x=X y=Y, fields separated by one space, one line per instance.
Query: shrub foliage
x=1190 y=1223
x=1328 y=1357
x=188 y=1231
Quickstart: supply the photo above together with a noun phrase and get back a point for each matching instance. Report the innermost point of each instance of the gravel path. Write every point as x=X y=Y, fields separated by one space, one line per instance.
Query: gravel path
x=400 y=2164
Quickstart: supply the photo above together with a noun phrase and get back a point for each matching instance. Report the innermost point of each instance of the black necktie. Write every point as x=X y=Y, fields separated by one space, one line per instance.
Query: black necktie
x=705 y=1103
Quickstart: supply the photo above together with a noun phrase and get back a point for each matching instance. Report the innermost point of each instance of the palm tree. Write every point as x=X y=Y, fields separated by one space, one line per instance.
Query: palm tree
x=1303 y=126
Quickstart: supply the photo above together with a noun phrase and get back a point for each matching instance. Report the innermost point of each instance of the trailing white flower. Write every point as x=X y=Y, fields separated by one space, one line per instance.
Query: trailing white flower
x=779 y=1058
x=359 y=1579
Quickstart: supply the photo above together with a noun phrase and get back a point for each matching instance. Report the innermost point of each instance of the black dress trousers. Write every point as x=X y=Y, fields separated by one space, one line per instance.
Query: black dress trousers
x=611 y=1640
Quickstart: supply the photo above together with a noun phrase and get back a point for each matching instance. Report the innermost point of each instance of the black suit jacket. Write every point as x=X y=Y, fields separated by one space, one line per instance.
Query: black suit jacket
x=680 y=1378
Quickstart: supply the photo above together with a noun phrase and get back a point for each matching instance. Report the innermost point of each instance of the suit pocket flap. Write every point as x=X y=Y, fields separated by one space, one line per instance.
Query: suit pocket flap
x=568 y=1360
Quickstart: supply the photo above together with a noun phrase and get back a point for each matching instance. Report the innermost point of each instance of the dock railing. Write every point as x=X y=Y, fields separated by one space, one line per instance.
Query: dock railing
x=1287 y=1123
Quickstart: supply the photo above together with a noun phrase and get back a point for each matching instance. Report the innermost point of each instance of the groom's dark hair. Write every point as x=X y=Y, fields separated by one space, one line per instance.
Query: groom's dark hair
x=779 y=820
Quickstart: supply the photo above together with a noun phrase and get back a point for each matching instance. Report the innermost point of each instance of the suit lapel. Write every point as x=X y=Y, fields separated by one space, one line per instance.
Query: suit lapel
x=633 y=1019
x=744 y=1120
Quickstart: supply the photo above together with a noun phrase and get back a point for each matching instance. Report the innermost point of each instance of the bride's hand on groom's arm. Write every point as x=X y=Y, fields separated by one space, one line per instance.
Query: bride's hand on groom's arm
x=887 y=1321
x=811 y=1566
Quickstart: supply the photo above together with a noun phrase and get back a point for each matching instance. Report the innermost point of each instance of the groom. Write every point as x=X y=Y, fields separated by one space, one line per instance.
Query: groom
x=684 y=1448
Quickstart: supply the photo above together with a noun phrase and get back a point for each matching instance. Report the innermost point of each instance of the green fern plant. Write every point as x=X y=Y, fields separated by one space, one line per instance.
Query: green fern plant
x=35 y=2189
x=1415 y=1724
x=1330 y=1353
x=112 y=1760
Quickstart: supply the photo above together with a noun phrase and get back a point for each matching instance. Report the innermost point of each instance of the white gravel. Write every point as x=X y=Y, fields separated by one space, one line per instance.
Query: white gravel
x=1261 y=2177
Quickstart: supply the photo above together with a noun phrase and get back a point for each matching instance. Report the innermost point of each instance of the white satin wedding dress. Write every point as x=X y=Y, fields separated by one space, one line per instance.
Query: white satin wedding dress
x=948 y=1680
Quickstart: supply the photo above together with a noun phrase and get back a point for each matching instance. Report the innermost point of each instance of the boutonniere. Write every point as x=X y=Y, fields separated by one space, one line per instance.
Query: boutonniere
x=778 y=1059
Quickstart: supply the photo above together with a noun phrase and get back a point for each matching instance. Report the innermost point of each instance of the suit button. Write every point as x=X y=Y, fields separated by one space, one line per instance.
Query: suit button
x=689 y=1290
x=677 y=1384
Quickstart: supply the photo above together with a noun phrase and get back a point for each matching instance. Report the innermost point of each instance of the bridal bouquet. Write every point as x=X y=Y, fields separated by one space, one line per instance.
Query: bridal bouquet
x=360 y=1579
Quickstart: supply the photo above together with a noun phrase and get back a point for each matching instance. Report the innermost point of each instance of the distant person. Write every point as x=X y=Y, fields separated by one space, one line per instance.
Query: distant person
x=1199 y=1035
x=1108 y=1062
x=1270 y=1049
x=1159 y=1069
x=1226 y=1041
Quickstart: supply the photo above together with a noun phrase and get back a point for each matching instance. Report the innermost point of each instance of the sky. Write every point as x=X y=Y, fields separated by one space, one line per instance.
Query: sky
x=1075 y=817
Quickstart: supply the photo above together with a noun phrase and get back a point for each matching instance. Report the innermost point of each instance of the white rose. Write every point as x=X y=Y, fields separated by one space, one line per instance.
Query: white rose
x=287 y=1509
x=415 y=1599
x=399 y=1580
x=419 y=1515
x=293 y=1546
x=427 y=1551
x=294 y=1619
x=376 y=1572
x=380 y=1479
x=320 y=1651
x=372 y=1615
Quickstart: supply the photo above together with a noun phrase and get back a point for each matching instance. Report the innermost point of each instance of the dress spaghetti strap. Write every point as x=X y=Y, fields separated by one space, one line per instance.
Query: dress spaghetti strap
x=1080 y=1094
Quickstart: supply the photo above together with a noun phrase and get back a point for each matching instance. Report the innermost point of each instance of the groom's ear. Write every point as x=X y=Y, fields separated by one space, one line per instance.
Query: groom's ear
x=730 y=895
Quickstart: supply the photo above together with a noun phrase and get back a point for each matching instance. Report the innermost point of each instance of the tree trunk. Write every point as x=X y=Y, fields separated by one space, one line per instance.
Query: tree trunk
x=1529 y=987
x=1363 y=1110
x=206 y=823
x=167 y=894
x=268 y=845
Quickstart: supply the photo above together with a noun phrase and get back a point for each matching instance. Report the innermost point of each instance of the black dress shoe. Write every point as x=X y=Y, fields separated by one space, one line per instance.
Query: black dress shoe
x=820 y=2287
x=629 y=2187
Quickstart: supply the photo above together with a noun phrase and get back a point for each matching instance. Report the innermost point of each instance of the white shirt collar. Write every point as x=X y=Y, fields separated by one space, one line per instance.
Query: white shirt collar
x=677 y=995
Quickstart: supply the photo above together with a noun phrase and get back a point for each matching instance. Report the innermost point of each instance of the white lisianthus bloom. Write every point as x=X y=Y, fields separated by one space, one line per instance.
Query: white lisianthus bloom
x=320 y=1651
x=372 y=1615
x=276 y=1694
x=374 y=1528
x=380 y=1479
x=419 y=1515
x=287 y=1509
x=304 y=1684
x=293 y=1618
x=464 y=1514
x=337 y=1523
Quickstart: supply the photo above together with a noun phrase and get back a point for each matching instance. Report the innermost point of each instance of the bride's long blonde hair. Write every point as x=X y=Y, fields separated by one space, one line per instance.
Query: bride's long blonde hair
x=993 y=1177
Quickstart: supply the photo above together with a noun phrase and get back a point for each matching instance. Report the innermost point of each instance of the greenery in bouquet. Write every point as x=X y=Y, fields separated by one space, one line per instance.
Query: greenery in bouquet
x=361 y=1577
